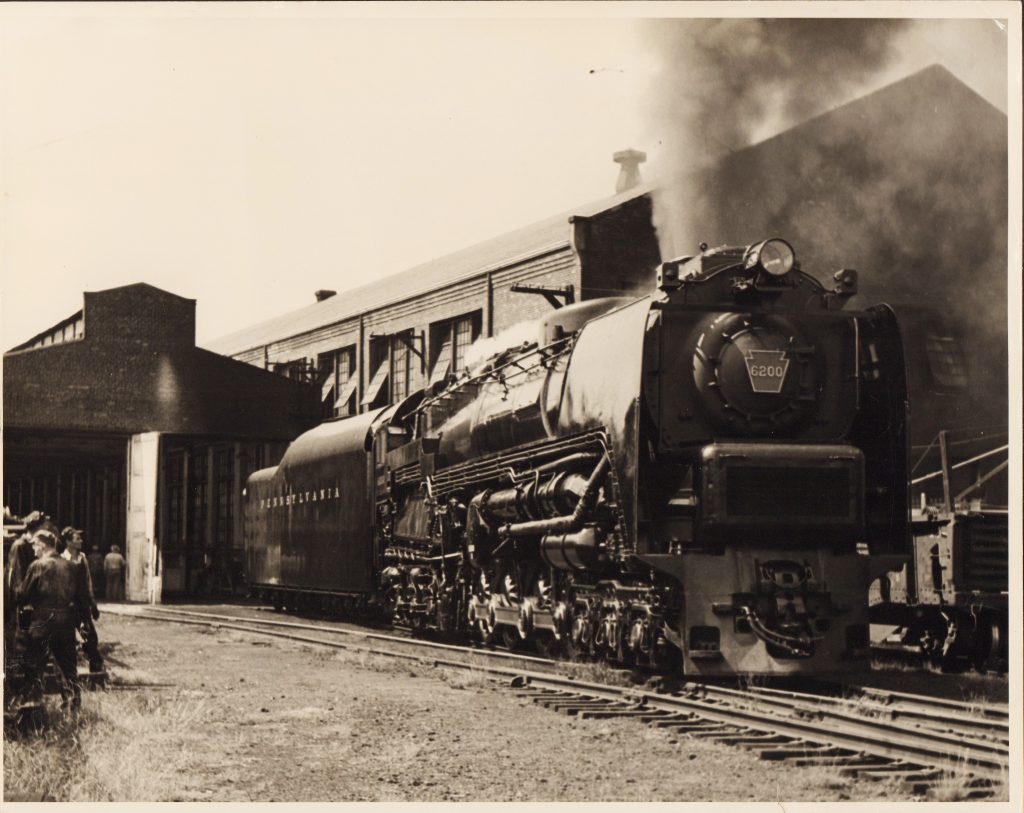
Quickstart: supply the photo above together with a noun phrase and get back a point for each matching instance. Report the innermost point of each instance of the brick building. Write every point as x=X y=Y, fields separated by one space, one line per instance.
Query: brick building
x=116 y=423
x=907 y=184
x=373 y=345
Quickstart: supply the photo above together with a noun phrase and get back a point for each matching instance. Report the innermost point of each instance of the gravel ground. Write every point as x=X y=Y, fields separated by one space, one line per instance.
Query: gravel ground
x=269 y=720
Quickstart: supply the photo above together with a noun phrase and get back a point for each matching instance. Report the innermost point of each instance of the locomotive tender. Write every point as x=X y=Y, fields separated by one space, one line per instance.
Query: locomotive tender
x=708 y=477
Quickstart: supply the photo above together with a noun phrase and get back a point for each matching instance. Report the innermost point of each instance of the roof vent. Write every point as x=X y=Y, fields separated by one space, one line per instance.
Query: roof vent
x=629 y=175
x=323 y=294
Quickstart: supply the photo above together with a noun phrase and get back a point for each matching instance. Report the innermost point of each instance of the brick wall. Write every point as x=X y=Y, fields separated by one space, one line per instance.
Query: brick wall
x=136 y=369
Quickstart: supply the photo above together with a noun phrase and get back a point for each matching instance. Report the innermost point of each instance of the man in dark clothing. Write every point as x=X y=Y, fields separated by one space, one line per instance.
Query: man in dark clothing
x=57 y=597
x=22 y=553
x=90 y=639
x=113 y=574
x=96 y=569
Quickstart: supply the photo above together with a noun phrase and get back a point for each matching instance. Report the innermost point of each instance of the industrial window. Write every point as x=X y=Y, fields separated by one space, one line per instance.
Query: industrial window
x=339 y=380
x=199 y=502
x=348 y=381
x=449 y=341
x=174 y=474
x=297 y=370
x=374 y=396
x=401 y=365
x=945 y=362
x=224 y=473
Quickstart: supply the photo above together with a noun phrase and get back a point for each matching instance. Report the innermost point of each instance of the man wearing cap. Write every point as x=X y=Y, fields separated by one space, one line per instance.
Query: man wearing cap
x=113 y=573
x=91 y=641
x=57 y=596
x=22 y=553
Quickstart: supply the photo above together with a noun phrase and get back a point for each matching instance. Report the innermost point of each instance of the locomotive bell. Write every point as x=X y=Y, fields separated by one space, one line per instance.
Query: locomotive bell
x=846 y=282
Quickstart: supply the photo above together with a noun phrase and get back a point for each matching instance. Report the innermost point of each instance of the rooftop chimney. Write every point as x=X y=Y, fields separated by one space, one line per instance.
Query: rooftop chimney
x=629 y=175
x=323 y=294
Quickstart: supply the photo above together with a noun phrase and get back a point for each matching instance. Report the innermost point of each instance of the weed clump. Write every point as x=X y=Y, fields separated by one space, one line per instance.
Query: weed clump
x=102 y=753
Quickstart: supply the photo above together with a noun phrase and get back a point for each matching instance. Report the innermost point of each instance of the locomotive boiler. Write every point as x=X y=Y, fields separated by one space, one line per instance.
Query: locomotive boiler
x=706 y=478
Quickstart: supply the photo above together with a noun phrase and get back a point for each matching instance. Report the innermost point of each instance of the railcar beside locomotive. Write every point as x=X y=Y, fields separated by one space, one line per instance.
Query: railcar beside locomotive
x=706 y=478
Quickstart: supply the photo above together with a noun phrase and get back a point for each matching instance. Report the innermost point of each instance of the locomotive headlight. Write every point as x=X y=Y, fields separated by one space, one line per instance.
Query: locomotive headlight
x=774 y=256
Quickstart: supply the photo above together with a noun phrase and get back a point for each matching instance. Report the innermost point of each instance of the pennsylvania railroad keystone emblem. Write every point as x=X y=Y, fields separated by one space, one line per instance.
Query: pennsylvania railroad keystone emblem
x=767 y=369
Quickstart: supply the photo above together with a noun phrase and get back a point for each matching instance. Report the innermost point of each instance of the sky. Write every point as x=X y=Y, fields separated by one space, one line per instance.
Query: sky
x=248 y=155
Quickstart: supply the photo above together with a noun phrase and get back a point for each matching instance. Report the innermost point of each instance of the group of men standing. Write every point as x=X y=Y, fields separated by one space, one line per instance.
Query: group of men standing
x=49 y=594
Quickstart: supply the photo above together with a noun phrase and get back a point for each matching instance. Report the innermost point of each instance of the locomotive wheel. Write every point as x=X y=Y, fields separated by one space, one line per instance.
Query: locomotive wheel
x=932 y=640
x=549 y=646
x=579 y=642
x=482 y=626
x=509 y=637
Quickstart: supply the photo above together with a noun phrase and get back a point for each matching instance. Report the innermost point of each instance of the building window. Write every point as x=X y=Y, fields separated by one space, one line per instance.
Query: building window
x=67 y=332
x=198 y=500
x=449 y=341
x=945 y=362
x=339 y=380
x=376 y=392
x=224 y=473
x=401 y=365
x=297 y=370
x=174 y=471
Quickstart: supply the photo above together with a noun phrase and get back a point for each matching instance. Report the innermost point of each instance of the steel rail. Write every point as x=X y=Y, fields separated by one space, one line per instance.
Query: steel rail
x=882 y=738
x=875 y=737
x=942 y=714
x=955 y=732
x=232 y=622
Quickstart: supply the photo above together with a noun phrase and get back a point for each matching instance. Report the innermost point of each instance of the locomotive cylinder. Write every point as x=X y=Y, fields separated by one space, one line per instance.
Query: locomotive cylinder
x=559 y=495
x=580 y=551
x=570 y=522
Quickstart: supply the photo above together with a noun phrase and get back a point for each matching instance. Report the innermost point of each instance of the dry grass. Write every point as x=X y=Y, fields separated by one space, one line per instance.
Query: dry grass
x=469 y=678
x=956 y=786
x=116 y=749
x=597 y=672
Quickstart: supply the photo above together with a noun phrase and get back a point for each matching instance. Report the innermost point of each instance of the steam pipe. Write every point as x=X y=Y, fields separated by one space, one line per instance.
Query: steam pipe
x=561 y=463
x=569 y=522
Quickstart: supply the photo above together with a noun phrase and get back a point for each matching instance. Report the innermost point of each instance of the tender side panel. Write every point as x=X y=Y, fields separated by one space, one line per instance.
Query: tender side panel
x=262 y=547
x=316 y=513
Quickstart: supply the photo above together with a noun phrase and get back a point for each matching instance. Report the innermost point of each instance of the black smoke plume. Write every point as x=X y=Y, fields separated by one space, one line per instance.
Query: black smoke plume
x=830 y=134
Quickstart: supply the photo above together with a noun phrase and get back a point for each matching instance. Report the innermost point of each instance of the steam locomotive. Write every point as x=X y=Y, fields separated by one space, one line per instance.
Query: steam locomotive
x=707 y=478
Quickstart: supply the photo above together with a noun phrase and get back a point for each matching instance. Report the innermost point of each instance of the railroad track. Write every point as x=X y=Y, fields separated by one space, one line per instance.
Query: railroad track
x=916 y=740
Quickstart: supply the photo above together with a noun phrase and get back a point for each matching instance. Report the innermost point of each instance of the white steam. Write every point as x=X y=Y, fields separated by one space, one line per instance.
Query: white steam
x=513 y=336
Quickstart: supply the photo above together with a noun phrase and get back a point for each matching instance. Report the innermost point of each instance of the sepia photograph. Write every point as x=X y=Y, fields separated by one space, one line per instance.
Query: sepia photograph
x=511 y=402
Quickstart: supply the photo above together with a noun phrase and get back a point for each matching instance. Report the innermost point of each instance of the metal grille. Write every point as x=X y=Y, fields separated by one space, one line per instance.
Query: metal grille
x=985 y=553
x=945 y=361
x=794 y=491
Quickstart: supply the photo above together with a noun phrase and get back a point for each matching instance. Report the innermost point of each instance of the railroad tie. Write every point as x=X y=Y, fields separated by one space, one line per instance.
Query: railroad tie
x=753 y=738
x=896 y=769
x=552 y=701
x=612 y=711
x=691 y=726
x=582 y=710
x=804 y=751
x=853 y=761
x=673 y=718
x=653 y=715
